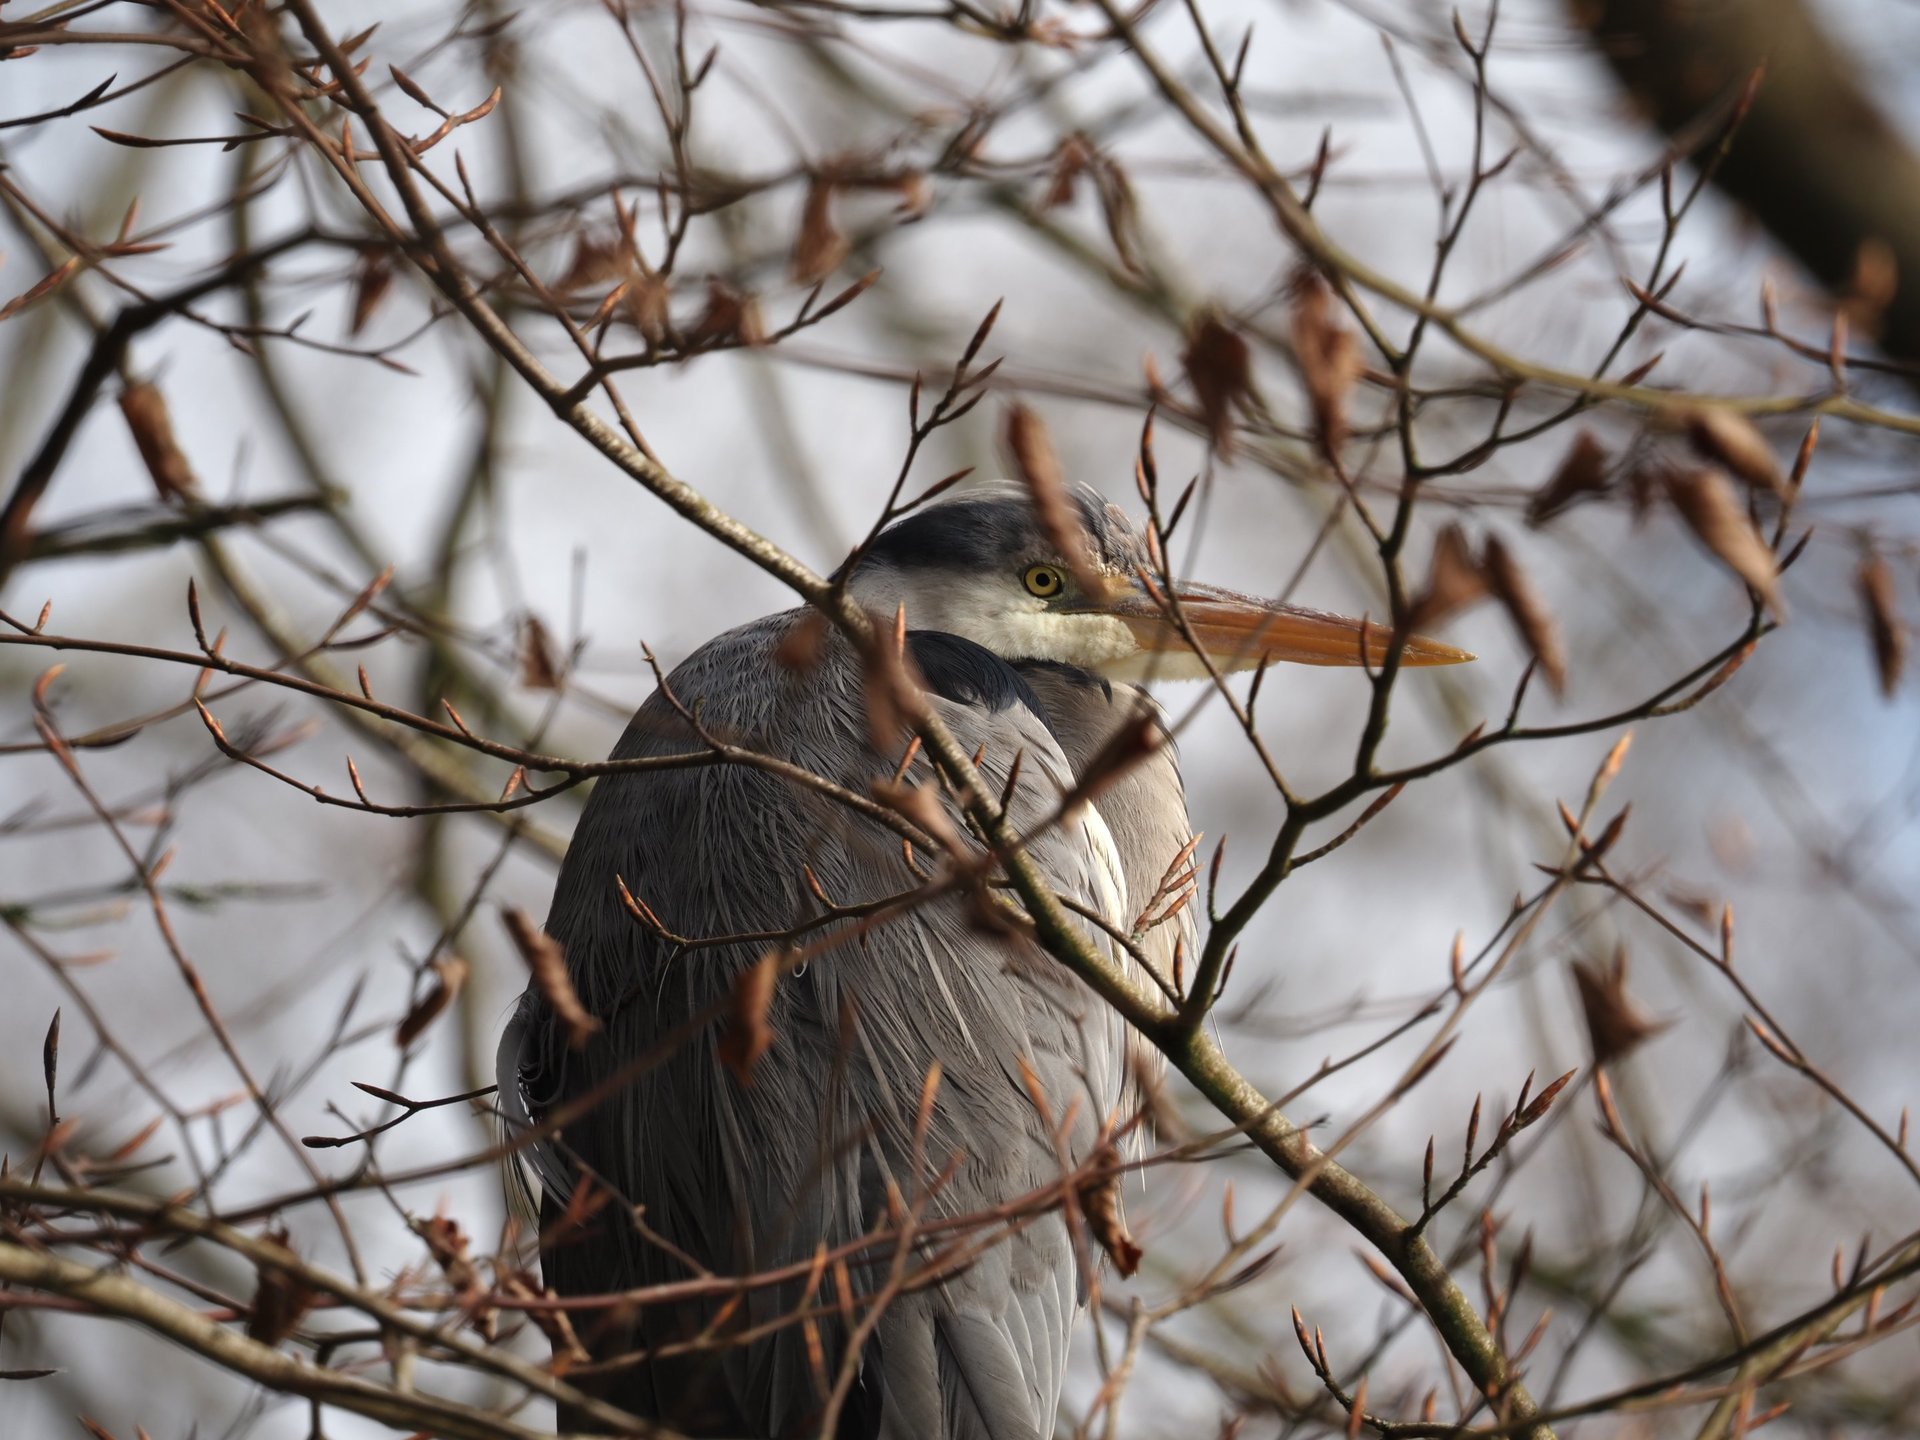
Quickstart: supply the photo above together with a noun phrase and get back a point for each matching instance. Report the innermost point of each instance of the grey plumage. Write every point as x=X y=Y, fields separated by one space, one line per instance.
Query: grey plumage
x=704 y=1169
x=694 y=1168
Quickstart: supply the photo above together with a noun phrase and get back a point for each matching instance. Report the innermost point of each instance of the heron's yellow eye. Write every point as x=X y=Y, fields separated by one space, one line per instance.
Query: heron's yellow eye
x=1046 y=581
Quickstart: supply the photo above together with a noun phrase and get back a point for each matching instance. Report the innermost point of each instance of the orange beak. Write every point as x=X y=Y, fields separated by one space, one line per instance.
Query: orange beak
x=1239 y=632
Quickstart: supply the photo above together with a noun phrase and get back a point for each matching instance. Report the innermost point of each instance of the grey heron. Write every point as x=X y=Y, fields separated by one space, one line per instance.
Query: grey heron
x=696 y=1167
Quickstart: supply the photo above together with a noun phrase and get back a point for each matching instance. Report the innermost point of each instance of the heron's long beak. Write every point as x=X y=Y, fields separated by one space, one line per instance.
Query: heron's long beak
x=1239 y=632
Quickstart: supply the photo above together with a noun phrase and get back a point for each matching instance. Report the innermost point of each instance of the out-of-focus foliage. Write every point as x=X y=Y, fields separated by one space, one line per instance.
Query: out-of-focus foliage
x=452 y=352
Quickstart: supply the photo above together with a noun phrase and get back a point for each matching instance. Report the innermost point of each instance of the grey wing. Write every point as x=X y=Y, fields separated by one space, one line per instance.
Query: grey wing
x=740 y=1177
x=1144 y=807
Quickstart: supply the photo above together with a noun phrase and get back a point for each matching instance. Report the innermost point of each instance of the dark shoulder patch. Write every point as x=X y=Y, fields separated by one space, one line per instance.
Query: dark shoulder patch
x=959 y=670
x=1075 y=675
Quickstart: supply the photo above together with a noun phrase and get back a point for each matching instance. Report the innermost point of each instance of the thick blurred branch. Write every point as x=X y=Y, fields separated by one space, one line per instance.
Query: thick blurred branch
x=1814 y=158
x=128 y=1299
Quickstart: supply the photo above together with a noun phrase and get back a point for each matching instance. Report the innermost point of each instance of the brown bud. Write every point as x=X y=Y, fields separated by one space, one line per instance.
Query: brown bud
x=819 y=247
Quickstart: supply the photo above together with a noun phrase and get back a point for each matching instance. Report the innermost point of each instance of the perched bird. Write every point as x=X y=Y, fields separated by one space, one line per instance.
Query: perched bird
x=699 y=1165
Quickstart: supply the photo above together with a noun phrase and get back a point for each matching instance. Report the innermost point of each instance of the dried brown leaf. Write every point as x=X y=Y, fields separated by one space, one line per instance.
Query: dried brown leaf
x=1455 y=580
x=1038 y=467
x=916 y=195
x=1707 y=502
x=548 y=964
x=152 y=427
x=644 y=297
x=539 y=659
x=595 y=261
x=1536 y=624
x=1884 y=626
x=1100 y=1202
x=1070 y=162
x=1220 y=367
x=819 y=247
x=920 y=804
x=1328 y=357
x=893 y=692
x=372 y=279
x=280 y=1300
x=1875 y=282
x=1131 y=742
x=1730 y=439
x=744 y=1034
x=731 y=317
x=448 y=1245
x=1120 y=210
x=450 y=976
x=1582 y=471
x=805 y=645
x=1616 y=1022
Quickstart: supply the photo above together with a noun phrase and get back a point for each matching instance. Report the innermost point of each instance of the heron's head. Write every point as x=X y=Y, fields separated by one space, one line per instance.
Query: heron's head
x=982 y=566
